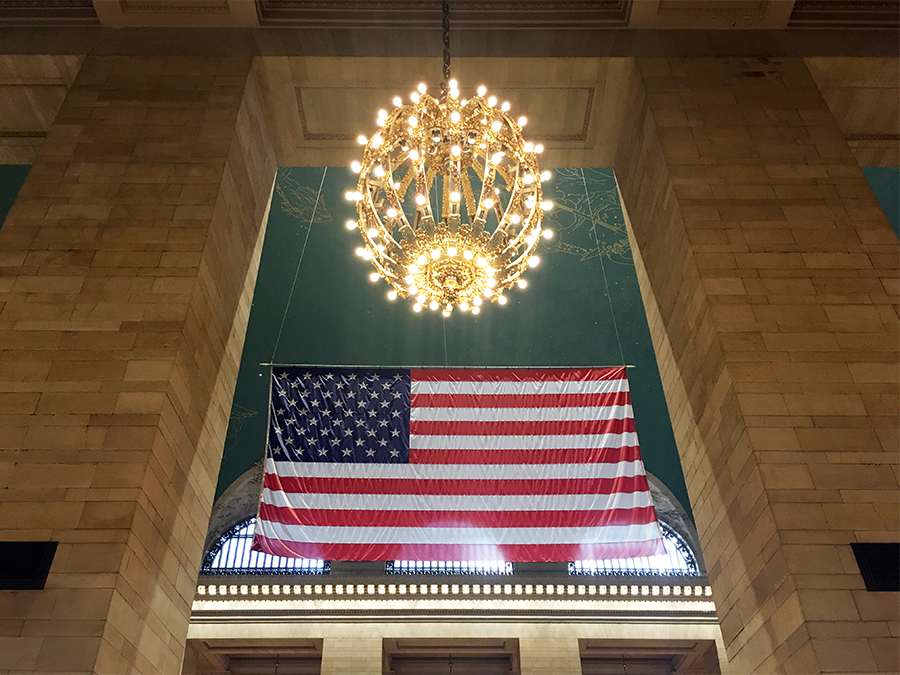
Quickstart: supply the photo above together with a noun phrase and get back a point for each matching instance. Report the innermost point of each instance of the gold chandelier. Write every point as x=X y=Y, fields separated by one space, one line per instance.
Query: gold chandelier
x=482 y=232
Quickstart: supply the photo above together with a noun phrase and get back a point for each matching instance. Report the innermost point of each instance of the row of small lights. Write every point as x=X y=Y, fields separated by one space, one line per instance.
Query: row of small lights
x=568 y=590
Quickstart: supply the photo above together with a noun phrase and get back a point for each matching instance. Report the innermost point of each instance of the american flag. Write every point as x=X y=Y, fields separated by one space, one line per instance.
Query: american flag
x=457 y=465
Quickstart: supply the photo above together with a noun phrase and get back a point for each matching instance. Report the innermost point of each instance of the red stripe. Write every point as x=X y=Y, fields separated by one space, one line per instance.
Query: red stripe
x=520 y=400
x=520 y=428
x=628 y=453
x=398 y=486
x=518 y=375
x=507 y=553
x=437 y=519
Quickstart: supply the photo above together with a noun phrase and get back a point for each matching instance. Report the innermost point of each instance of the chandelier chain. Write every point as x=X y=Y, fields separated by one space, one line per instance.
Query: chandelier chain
x=445 y=10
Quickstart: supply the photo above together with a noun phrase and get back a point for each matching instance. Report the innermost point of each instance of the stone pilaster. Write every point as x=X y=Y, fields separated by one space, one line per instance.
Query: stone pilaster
x=358 y=655
x=129 y=260
x=770 y=277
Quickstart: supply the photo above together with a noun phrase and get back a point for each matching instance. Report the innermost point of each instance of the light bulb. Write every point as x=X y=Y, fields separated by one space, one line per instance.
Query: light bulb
x=487 y=292
x=434 y=305
x=453 y=84
x=539 y=148
x=454 y=94
x=420 y=200
x=475 y=310
x=414 y=155
x=522 y=121
x=414 y=97
x=496 y=125
x=417 y=307
x=374 y=277
x=528 y=179
x=454 y=196
x=529 y=240
x=492 y=101
x=436 y=253
x=547 y=234
x=482 y=90
x=454 y=116
x=455 y=150
x=496 y=157
x=392 y=212
x=413 y=290
x=356 y=166
x=392 y=294
x=413 y=269
x=529 y=146
x=382 y=113
x=351 y=225
x=360 y=251
x=477 y=301
x=482 y=262
x=522 y=283
x=397 y=101
x=546 y=175
x=504 y=106
x=464 y=306
x=468 y=255
x=422 y=87
x=373 y=232
x=501 y=299
x=377 y=140
x=379 y=170
x=367 y=254
x=488 y=203
x=421 y=260
x=361 y=139
x=546 y=205
x=491 y=283
x=514 y=219
x=534 y=261
x=421 y=299
x=451 y=251
x=412 y=121
x=408 y=279
x=446 y=312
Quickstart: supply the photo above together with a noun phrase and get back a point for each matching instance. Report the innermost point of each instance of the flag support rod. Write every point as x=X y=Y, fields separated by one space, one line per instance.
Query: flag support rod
x=328 y=365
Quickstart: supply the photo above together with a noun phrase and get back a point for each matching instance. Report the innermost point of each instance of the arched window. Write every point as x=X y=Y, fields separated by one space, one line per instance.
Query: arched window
x=677 y=561
x=231 y=555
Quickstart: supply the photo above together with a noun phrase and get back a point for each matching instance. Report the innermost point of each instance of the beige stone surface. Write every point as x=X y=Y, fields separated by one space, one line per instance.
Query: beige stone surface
x=130 y=261
x=751 y=224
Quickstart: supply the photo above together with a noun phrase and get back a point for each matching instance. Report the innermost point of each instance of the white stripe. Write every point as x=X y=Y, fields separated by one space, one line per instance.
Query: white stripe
x=520 y=388
x=535 y=442
x=572 y=414
x=386 y=502
x=459 y=535
x=456 y=471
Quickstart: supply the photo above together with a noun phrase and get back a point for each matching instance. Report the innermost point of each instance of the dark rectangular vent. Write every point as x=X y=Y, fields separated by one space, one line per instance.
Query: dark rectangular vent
x=871 y=14
x=24 y=565
x=879 y=565
x=48 y=13
x=464 y=14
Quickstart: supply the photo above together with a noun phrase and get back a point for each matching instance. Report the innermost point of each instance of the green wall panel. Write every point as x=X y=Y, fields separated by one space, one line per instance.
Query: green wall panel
x=885 y=182
x=11 y=178
x=314 y=305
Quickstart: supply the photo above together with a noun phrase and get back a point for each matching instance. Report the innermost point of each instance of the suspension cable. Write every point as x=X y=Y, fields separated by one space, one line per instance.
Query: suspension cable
x=445 y=10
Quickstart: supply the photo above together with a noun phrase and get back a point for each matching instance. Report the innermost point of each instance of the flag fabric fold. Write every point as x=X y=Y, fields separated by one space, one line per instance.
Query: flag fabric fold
x=515 y=465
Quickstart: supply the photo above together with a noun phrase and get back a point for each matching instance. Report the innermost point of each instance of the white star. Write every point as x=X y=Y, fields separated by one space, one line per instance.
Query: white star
x=359 y=442
x=289 y=441
x=397 y=394
x=304 y=411
x=326 y=394
x=363 y=385
x=339 y=404
x=351 y=394
x=306 y=376
x=382 y=442
x=360 y=423
x=315 y=404
x=382 y=423
x=326 y=412
x=386 y=385
x=398 y=377
x=329 y=376
x=370 y=432
x=395 y=453
x=294 y=385
x=277 y=430
x=347 y=452
x=339 y=385
x=395 y=413
x=335 y=441
x=323 y=451
x=385 y=404
x=351 y=376
x=348 y=432
x=372 y=413
x=293 y=420
x=314 y=421
x=317 y=385
x=282 y=392
x=370 y=452
x=395 y=433
x=280 y=411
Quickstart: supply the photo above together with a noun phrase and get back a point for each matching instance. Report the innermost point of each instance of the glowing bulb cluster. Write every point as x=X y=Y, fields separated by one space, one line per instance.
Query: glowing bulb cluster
x=482 y=230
